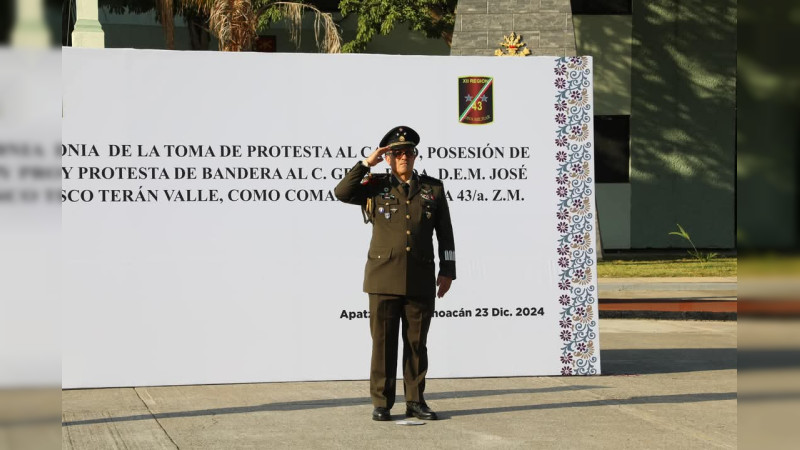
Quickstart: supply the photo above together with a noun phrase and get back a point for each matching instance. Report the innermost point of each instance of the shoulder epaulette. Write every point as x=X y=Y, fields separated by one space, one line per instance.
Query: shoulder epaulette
x=371 y=178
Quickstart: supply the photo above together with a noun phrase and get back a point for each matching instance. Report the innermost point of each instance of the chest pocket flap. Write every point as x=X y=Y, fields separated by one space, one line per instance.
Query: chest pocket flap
x=380 y=253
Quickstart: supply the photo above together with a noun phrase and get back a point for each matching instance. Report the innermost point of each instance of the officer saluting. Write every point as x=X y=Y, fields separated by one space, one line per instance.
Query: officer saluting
x=404 y=208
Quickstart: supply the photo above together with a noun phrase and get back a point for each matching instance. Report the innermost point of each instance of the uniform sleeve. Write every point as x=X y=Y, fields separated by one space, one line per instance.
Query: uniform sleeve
x=350 y=189
x=444 y=236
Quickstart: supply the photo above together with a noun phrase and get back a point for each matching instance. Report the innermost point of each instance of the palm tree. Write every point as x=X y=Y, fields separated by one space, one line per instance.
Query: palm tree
x=235 y=22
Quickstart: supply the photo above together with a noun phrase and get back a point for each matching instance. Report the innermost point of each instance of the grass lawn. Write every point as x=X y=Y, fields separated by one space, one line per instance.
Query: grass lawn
x=767 y=265
x=666 y=267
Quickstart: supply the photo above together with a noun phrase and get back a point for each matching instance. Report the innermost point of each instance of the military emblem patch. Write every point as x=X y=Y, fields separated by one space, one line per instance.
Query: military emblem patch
x=475 y=100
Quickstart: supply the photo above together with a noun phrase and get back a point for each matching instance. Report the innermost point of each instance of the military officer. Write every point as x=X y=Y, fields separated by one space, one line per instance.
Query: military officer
x=404 y=209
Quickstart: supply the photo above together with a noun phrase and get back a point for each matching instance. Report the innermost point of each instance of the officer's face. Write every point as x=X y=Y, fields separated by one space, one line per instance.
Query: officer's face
x=402 y=161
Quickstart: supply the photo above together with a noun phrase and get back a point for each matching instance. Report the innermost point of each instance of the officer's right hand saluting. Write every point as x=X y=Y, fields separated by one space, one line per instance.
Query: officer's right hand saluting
x=377 y=156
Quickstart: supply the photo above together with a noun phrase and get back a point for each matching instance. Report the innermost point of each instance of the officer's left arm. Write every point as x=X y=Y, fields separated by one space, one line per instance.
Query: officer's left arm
x=447 y=248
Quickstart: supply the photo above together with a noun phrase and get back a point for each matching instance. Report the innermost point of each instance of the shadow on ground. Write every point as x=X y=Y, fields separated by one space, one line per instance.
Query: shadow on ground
x=615 y=362
x=333 y=403
x=666 y=360
x=648 y=399
x=322 y=403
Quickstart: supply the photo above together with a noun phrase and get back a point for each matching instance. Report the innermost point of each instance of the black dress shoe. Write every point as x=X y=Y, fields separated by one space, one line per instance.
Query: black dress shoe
x=420 y=411
x=381 y=414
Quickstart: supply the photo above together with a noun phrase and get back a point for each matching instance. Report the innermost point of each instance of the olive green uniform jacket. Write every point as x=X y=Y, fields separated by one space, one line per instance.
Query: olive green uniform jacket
x=401 y=258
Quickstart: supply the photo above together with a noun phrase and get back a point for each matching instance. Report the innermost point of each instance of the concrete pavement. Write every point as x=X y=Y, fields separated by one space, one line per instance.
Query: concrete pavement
x=709 y=298
x=668 y=287
x=666 y=384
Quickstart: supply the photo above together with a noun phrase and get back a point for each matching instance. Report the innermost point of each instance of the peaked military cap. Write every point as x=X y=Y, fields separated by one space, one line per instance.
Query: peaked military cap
x=401 y=136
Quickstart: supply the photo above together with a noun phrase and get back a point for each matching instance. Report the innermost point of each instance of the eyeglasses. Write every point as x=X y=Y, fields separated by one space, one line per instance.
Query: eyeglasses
x=409 y=152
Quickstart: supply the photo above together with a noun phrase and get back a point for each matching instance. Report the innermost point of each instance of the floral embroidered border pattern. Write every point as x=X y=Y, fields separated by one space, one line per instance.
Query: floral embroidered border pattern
x=578 y=298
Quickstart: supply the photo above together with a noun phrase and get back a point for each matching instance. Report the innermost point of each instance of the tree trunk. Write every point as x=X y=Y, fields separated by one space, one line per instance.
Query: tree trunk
x=199 y=36
x=448 y=37
x=167 y=22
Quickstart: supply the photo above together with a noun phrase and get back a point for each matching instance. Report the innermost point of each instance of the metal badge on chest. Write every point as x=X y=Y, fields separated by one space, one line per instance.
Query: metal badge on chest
x=387 y=198
x=430 y=200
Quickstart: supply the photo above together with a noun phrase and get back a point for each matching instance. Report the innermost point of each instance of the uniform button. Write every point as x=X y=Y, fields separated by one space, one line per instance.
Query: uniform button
x=408 y=249
x=408 y=202
x=408 y=216
x=408 y=232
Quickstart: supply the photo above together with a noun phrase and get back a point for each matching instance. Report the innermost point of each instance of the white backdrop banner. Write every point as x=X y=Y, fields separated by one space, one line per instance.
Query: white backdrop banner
x=202 y=242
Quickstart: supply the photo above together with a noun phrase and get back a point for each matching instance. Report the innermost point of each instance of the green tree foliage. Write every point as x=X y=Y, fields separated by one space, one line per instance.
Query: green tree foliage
x=434 y=18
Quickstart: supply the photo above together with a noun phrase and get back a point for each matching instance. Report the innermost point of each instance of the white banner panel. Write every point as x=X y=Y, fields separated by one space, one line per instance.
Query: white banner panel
x=202 y=242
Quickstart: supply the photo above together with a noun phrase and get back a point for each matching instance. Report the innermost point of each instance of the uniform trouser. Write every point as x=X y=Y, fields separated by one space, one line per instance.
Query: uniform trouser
x=387 y=314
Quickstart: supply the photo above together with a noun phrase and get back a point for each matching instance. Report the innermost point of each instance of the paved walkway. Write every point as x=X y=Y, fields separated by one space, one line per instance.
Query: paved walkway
x=669 y=298
x=666 y=384
x=685 y=288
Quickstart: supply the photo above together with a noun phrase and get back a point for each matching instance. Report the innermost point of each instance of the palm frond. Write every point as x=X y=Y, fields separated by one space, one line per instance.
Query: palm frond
x=326 y=32
x=234 y=24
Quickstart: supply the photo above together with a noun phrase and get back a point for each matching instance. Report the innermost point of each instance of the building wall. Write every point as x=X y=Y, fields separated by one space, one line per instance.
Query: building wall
x=545 y=26
x=683 y=101
x=140 y=31
x=607 y=38
x=768 y=97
